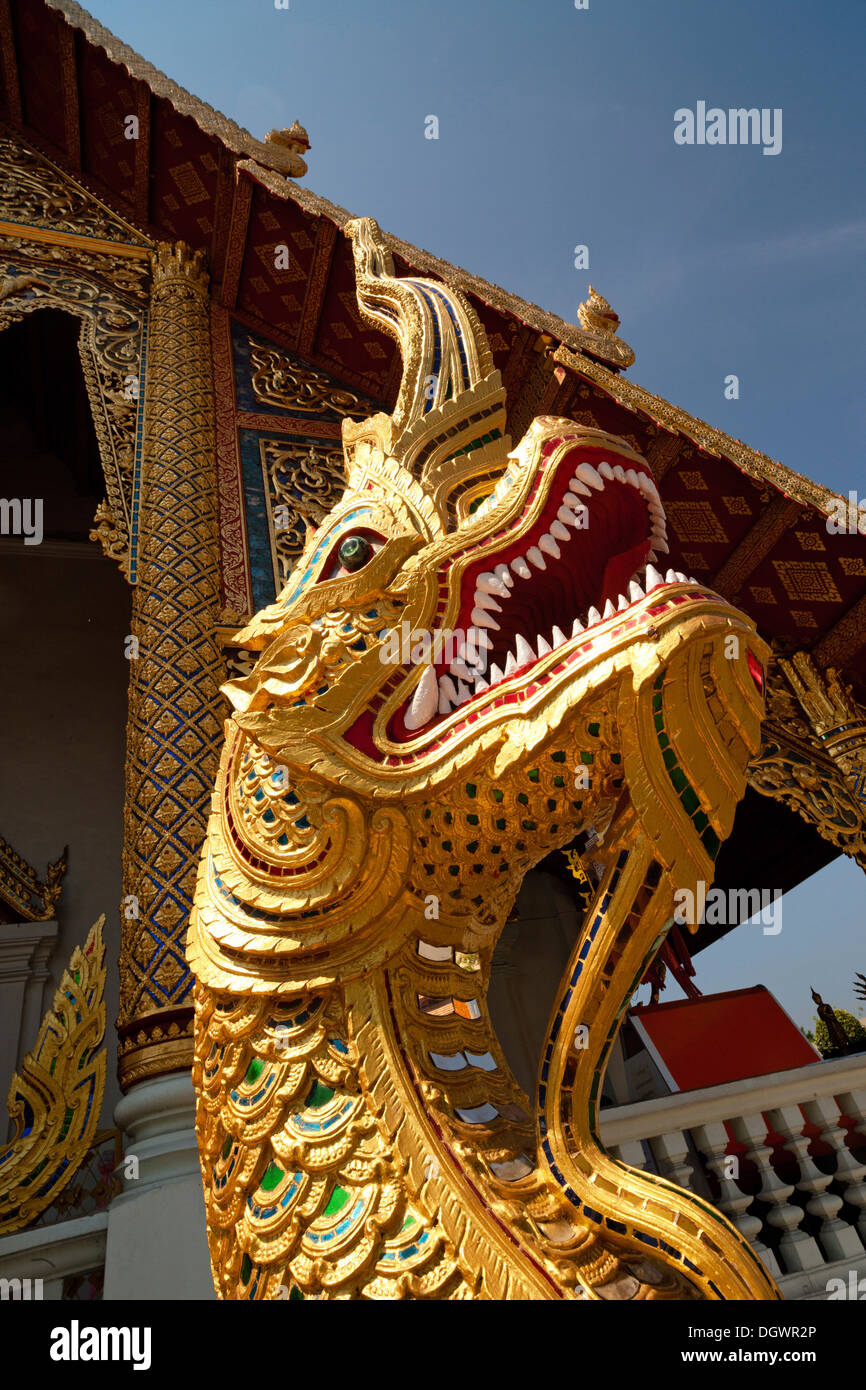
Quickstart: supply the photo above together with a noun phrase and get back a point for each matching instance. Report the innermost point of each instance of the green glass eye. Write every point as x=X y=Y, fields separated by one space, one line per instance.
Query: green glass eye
x=354 y=552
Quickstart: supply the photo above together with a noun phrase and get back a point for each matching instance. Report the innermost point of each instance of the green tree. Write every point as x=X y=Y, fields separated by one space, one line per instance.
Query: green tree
x=851 y=1027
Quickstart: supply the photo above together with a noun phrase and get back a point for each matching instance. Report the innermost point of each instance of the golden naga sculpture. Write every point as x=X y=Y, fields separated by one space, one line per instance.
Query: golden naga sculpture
x=384 y=788
x=55 y=1100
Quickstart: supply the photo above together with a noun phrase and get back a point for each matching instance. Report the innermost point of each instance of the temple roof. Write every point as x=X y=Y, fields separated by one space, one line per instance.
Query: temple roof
x=738 y=520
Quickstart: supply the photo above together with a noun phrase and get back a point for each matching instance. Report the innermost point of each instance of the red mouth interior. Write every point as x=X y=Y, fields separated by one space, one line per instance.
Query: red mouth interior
x=595 y=564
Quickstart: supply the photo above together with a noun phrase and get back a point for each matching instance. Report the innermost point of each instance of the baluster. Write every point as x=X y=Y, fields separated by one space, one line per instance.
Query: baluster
x=853 y=1103
x=711 y=1141
x=798 y=1249
x=671 y=1151
x=751 y=1130
x=839 y=1241
x=631 y=1153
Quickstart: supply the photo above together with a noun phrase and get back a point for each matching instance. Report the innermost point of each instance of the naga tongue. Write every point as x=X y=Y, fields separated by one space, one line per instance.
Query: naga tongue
x=620 y=569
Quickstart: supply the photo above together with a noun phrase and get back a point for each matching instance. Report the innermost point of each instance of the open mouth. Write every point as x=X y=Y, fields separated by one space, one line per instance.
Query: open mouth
x=587 y=556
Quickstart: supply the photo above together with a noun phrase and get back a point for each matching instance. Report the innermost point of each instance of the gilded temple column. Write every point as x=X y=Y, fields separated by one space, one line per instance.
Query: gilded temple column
x=175 y=718
x=156 y=1227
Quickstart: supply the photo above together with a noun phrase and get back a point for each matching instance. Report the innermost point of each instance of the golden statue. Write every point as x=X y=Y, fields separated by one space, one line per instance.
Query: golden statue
x=475 y=661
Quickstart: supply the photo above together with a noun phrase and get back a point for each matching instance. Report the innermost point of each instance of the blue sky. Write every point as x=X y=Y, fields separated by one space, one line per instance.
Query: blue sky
x=556 y=129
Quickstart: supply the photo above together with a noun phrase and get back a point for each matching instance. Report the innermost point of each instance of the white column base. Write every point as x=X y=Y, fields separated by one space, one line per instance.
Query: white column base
x=157 y=1244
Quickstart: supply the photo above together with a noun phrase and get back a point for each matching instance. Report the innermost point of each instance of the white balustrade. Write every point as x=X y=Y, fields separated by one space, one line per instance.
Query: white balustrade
x=690 y=1133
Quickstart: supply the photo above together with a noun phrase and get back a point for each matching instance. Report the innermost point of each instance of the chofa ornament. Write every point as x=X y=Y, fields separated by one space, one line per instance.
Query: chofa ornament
x=475 y=661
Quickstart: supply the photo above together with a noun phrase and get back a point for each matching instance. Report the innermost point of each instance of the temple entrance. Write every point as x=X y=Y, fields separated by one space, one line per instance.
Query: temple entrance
x=64 y=614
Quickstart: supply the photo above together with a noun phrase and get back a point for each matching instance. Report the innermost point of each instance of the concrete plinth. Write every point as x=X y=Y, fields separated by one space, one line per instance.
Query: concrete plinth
x=157 y=1245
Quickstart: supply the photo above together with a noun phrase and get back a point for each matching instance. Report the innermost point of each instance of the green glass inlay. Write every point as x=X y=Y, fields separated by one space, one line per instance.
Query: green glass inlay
x=559 y=781
x=226 y=1148
x=658 y=720
x=254 y=1070
x=711 y=842
x=523 y=798
x=528 y=825
x=678 y=777
x=497 y=794
x=670 y=758
x=472 y=820
x=472 y=846
x=533 y=774
x=471 y=789
x=587 y=758
x=701 y=821
x=551 y=804
x=319 y=1095
x=338 y=1199
x=593 y=729
x=500 y=824
x=664 y=741
x=690 y=801
x=295 y=1292
x=446 y=844
x=557 y=757
x=410 y=1221
x=273 y=1177
x=657 y=703
x=246 y=1269
x=453 y=870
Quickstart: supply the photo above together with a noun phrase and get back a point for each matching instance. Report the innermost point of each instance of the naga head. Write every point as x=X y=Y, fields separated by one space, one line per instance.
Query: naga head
x=474 y=662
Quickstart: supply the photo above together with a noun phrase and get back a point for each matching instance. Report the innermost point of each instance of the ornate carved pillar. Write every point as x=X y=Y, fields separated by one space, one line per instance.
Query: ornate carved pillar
x=175 y=715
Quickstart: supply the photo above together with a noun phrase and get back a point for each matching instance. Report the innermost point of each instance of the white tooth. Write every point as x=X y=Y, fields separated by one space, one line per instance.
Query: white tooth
x=580 y=488
x=576 y=518
x=659 y=543
x=482 y=619
x=692 y=579
x=587 y=474
x=549 y=546
x=481 y=640
x=463 y=693
x=682 y=578
x=609 y=611
x=521 y=568
x=606 y=469
x=565 y=515
x=495 y=674
x=481 y=684
x=424 y=702
x=510 y=664
x=489 y=584
x=621 y=603
x=444 y=702
x=652 y=555
x=487 y=602
x=558 y=638
x=543 y=647
x=460 y=669
x=670 y=577
x=504 y=575
x=576 y=627
x=652 y=577
x=448 y=688
x=635 y=591
x=576 y=503
x=619 y=472
x=593 y=617
x=523 y=650
x=559 y=531
x=632 y=477
x=535 y=557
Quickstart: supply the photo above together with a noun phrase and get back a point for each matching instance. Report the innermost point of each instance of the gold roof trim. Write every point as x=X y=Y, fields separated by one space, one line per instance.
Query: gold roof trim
x=212 y=122
x=670 y=417
x=607 y=344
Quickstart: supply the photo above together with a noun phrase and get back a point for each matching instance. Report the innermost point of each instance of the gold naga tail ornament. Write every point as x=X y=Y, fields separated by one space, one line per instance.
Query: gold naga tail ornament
x=55 y=1100
x=473 y=663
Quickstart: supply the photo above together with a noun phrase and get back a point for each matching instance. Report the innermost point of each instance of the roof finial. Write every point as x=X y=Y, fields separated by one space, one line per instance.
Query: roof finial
x=596 y=315
x=296 y=141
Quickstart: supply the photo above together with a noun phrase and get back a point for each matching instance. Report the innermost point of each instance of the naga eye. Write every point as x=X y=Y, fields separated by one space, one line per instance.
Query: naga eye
x=354 y=552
